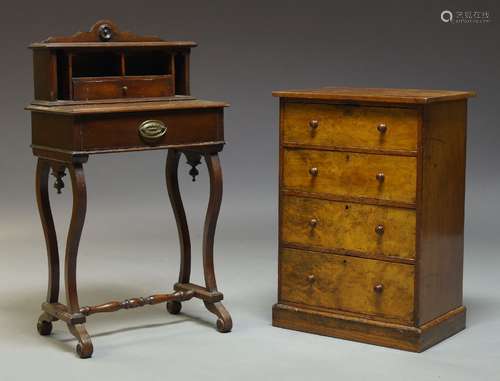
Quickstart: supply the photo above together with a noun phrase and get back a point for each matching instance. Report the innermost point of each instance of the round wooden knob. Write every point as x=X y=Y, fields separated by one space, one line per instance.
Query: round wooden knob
x=378 y=288
x=313 y=124
x=379 y=229
x=380 y=177
x=313 y=223
x=311 y=278
x=382 y=128
x=313 y=171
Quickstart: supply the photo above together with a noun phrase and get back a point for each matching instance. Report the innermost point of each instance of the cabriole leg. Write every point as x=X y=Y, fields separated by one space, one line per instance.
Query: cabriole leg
x=44 y=325
x=224 y=321
x=84 y=347
x=172 y=180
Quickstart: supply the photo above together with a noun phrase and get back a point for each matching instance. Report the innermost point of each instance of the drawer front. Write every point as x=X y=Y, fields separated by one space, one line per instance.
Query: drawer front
x=351 y=127
x=358 y=285
x=380 y=177
x=349 y=226
x=111 y=131
x=122 y=87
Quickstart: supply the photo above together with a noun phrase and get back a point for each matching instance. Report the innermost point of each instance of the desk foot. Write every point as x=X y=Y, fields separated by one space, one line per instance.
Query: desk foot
x=44 y=325
x=174 y=307
x=84 y=348
x=224 y=321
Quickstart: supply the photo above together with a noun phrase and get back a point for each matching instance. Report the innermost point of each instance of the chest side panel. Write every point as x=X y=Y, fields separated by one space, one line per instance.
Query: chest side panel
x=442 y=209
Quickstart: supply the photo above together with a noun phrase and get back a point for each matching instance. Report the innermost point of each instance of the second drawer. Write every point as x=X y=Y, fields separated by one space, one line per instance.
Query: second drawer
x=346 y=174
x=346 y=226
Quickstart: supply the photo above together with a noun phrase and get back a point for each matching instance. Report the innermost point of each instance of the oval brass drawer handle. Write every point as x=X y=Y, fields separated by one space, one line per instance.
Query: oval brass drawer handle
x=313 y=171
x=380 y=229
x=378 y=288
x=380 y=177
x=152 y=130
x=311 y=278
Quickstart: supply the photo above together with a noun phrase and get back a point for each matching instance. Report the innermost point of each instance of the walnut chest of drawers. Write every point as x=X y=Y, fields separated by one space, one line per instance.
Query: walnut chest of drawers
x=371 y=214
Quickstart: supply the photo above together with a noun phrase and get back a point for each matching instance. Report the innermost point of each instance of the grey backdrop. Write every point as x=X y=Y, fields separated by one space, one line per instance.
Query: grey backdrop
x=129 y=247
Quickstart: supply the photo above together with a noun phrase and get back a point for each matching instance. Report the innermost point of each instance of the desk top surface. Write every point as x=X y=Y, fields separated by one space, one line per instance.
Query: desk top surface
x=109 y=107
x=375 y=94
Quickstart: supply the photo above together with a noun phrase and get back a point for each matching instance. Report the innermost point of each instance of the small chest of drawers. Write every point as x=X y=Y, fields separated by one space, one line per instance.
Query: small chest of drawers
x=371 y=214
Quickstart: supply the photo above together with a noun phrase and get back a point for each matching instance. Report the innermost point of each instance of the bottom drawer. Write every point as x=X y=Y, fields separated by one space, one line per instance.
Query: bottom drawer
x=358 y=285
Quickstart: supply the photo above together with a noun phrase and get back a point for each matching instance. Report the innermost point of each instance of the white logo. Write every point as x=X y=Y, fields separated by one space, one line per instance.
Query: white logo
x=465 y=17
x=446 y=16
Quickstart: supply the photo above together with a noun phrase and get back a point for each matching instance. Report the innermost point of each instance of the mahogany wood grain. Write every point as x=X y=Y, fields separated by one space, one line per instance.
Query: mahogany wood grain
x=351 y=174
x=183 y=127
x=64 y=66
x=214 y=203
x=145 y=113
x=174 y=194
x=200 y=292
x=347 y=126
x=45 y=75
x=93 y=35
x=116 y=305
x=224 y=321
x=91 y=132
x=96 y=107
x=52 y=130
x=349 y=226
x=74 y=234
x=91 y=88
x=348 y=284
x=60 y=312
x=43 y=201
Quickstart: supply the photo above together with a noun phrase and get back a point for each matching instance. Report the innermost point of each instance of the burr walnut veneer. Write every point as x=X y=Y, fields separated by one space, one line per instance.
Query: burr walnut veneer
x=108 y=91
x=371 y=214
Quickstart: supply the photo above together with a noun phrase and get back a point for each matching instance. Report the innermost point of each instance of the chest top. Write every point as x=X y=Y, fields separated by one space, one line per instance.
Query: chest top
x=407 y=96
x=106 y=64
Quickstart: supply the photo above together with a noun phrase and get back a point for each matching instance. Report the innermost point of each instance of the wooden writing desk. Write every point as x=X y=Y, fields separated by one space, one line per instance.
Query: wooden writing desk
x=107 y=91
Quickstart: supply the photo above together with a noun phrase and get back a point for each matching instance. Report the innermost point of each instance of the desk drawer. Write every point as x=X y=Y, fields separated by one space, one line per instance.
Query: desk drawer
x=111 y=131
x=379 y=128
x=357 y=285
x=349 y=226
x=90 y=88
x=391 y=178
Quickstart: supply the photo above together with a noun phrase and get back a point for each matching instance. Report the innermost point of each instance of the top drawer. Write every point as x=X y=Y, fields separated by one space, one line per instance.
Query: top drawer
x=350 y=126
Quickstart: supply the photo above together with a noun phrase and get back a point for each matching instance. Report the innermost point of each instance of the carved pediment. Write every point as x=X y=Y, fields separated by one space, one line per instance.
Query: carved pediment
x=103 y=31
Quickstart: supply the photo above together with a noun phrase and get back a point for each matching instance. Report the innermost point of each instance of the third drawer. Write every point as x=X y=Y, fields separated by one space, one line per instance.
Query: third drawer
x=349 y=227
